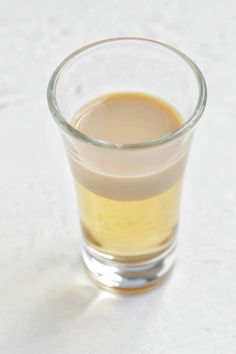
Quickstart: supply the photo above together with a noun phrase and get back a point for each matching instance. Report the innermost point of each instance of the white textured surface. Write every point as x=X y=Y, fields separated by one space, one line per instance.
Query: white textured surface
x=47 y=305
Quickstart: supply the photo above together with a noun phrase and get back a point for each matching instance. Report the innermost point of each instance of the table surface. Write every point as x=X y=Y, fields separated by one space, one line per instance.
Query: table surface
x=47 y=304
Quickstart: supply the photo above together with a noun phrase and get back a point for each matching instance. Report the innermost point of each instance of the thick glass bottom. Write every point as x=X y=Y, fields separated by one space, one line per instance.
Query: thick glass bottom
x=129 y=276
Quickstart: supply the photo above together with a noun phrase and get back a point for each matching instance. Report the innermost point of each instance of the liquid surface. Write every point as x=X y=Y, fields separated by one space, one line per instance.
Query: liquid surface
x=128 y=204
x=127 y=118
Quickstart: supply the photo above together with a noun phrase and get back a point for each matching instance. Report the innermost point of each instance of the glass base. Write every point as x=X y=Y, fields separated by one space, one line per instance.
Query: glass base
x=128 y=276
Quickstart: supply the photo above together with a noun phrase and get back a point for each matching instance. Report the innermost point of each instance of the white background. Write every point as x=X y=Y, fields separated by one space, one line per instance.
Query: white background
x=47 y=304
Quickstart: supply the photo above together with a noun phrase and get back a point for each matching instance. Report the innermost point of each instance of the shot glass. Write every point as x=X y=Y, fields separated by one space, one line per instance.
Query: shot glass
x=128 y=194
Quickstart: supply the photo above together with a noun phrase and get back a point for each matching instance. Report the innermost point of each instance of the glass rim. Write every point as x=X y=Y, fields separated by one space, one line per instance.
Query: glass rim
x=187 y=126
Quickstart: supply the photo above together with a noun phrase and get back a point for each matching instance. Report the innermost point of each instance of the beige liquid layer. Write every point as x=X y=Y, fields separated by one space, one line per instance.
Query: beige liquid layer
x=127 y=118
x=126 y=215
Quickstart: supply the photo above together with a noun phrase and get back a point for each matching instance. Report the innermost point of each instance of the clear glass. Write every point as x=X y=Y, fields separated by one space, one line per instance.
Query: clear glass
x=129 y=205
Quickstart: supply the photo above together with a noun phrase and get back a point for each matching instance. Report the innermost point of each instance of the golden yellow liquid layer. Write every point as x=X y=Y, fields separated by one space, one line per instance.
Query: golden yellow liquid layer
x=129 y=228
